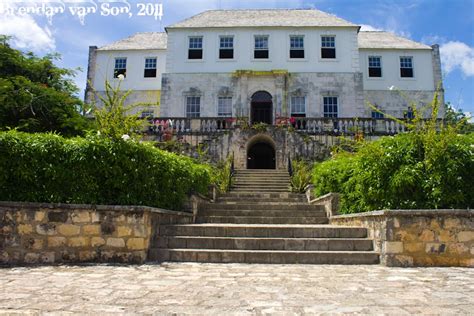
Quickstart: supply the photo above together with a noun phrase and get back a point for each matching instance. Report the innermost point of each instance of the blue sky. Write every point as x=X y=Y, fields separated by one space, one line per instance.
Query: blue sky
x=449 y=23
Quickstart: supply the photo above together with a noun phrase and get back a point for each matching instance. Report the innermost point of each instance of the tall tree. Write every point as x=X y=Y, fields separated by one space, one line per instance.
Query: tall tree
x=458 y=118
x=36 y=95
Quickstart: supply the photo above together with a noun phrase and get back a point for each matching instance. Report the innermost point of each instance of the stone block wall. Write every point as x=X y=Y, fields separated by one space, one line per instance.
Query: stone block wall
x=67 y=233
x=418 y=237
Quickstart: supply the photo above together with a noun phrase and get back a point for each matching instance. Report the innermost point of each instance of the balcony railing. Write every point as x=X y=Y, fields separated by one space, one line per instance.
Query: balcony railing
x=308 y=125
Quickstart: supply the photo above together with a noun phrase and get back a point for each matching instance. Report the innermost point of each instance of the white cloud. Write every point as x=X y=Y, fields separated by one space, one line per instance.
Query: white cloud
x=27 y=33
x=457 y=55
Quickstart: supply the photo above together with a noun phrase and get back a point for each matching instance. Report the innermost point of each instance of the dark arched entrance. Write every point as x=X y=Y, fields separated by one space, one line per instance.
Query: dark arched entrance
x=261 y=108
x=261 y=155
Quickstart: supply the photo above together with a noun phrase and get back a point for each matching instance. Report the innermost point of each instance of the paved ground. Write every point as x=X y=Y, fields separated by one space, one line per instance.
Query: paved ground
x=236 y=289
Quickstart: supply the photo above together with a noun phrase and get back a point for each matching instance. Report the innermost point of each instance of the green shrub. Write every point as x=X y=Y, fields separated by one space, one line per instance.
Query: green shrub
x=96 y=170
x=221 y=175
x=301 y=177
x=413 y=170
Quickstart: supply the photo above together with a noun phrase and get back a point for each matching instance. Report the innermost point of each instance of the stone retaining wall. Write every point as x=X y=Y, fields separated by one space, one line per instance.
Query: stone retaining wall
x=68 y=233
x=418 y=237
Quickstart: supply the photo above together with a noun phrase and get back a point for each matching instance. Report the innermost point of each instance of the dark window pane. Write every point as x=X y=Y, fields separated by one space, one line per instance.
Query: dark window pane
x=195 y=54
x=298 y=115
x=150 y=73
x=297 y=53
x=261 y=54
x=328 y=53
x=375 y=72
x=118 y=72
x=406 y=72
x=226 y=53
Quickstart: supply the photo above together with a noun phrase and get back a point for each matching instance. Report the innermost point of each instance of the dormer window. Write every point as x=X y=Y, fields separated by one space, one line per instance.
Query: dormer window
x=226 y=47
x=328 y=47
x=261 y=47
x=195 y=47
x=296 y=46
x=120 y=67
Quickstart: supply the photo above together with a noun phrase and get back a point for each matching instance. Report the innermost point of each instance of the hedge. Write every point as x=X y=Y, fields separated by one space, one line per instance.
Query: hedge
x=95 y=170
x=407 y=171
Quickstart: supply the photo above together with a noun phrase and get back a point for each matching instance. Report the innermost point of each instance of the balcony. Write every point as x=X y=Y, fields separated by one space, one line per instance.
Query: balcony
x=305 y=125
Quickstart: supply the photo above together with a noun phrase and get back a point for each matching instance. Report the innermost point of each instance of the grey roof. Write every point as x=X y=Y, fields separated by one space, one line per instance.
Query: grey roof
x=262 y=18
x=146 y=40
x=386 y=40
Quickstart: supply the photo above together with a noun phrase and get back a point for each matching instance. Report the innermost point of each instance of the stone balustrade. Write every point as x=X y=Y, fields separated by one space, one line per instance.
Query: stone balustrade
x=309 y=125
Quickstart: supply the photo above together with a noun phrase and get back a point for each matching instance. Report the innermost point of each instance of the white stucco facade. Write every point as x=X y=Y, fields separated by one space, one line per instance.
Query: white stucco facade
x=345 y=77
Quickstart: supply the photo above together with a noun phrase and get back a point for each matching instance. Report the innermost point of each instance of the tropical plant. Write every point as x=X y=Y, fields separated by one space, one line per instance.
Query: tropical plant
x=301 y=176
x=36 y=95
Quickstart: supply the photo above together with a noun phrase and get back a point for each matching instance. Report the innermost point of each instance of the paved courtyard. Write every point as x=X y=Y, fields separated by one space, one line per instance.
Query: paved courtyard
x=236 y=289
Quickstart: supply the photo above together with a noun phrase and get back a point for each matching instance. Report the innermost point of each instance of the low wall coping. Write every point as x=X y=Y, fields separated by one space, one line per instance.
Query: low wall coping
x=409 y=213
x=126 y=208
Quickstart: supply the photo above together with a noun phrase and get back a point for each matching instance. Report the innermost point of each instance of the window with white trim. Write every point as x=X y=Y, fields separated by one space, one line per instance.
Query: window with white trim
x=224 y=106
x=195 y=47
x=406 y=67
x=150 y=67
x=120 y=67
x=261 y=47
x=330 y=106
x=377 y=115
x=147 y=113
x=409 y=114
x=226 y=47
x=298 y=106
x=193 y=107
x=296 y=46
x=375 y=66
x=328 y=47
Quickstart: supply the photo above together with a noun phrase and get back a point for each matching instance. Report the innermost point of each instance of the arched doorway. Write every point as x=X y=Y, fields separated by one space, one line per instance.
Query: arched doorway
x=261 y=108
x=261 y=155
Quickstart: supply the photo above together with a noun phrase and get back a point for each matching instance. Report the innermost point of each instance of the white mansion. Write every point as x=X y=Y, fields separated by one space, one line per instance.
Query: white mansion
x=267 y=64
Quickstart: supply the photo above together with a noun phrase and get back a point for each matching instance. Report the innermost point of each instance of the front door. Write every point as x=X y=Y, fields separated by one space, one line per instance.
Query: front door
x=261 y=108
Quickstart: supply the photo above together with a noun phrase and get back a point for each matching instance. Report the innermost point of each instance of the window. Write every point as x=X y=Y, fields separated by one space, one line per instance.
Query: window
x=120 y=67
x=297 y=46
x=330 y=106
x=406 y=67
x=226 y=48
x=147 y=114
x=328 y=47
x=195 y=47
x=261 y=47
x=298 y=106
x=150 y=67
x=224 y=106
x=375 y=66
x=193 y=106
x=377 y=115
x=409 y=114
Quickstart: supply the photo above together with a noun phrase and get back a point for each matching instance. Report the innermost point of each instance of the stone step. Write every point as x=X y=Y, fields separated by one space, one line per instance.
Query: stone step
x=262 y=206
x=265 y=171
x=267 y=213
x=260 y=190
x=263 y=230
x=262 y=195
x=262 y=220
x=268 y=201
x=260 y=182
x=265 y=256
x=233 y=243
x=260 y=186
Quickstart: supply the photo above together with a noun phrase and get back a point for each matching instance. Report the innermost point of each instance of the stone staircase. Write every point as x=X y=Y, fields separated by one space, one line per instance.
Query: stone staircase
x=260 y=221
